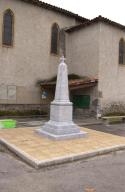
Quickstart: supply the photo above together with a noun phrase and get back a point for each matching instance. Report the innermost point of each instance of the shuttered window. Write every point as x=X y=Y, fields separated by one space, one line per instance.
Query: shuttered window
x=8 y=22
x=55 y=39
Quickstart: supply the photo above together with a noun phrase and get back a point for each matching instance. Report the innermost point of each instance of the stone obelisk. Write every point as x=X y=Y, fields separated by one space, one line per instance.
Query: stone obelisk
x=61 y=126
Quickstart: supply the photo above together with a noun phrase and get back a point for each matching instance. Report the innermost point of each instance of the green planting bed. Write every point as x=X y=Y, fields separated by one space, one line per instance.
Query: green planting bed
x=7 y=123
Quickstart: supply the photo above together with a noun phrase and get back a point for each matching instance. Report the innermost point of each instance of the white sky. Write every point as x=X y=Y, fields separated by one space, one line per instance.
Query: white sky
x=112 y=9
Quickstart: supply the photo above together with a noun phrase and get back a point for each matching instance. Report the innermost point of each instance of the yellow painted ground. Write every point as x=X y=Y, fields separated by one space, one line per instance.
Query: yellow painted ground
x=41 y=148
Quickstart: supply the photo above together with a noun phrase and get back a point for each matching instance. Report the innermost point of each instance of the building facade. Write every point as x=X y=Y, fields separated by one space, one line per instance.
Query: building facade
x=34 y=35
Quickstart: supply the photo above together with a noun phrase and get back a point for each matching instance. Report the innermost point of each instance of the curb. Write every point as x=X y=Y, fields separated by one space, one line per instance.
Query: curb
x=94 y=123
x=80 y=156
x=60 y=160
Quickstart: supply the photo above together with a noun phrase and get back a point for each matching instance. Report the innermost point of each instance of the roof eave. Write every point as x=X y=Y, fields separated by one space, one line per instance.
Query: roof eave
x=56 y=9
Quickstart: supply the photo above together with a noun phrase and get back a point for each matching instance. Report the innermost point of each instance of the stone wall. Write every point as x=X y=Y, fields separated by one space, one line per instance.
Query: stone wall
x=114 y=108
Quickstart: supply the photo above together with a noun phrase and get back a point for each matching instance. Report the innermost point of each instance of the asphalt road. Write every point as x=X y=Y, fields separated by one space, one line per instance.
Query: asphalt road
x=104 y=174
x=116 y=129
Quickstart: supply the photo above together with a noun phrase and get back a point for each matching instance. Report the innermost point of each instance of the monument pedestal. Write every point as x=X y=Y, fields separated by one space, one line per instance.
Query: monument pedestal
x=64 y=128
x=60 y=126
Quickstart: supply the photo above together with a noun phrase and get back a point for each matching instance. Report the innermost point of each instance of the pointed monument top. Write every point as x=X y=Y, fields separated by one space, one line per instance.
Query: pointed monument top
x=62 y=89
x=62 y=59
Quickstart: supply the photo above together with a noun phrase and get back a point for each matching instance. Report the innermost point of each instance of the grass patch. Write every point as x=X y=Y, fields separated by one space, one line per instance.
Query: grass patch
x=22 y=113
x=114 y=114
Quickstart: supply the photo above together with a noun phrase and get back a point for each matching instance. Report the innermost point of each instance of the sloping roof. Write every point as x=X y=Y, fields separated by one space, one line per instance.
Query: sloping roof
x=93 y=21
x=73 y=83
x=56 y=9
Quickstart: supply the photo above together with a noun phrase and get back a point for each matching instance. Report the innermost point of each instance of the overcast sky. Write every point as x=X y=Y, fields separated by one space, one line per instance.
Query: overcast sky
x=112 y=9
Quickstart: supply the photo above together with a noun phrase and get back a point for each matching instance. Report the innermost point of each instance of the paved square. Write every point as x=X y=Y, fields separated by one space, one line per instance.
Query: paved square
x=34 y=148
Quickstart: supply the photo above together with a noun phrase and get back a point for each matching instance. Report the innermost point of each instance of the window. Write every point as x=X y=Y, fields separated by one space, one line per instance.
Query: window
x=121 y=51
x=8 y=21
x=62 y=43
x=55 y=39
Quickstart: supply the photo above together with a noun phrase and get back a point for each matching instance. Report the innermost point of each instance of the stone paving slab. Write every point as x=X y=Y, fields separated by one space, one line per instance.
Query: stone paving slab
x=39 y=151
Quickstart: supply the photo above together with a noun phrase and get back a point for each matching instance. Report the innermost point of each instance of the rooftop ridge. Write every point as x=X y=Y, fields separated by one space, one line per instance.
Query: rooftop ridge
x=95 y=20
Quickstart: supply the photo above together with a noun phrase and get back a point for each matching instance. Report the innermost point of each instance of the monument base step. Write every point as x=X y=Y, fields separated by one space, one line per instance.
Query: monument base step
x=80 y=134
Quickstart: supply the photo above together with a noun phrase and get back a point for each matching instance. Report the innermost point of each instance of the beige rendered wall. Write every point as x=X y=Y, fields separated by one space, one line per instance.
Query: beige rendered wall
x=111 y=73
x=83 y=51
x=83 y=58
x=29 y=59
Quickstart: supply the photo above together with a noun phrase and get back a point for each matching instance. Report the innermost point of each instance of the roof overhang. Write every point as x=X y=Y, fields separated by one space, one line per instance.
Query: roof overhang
x=73 y=84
